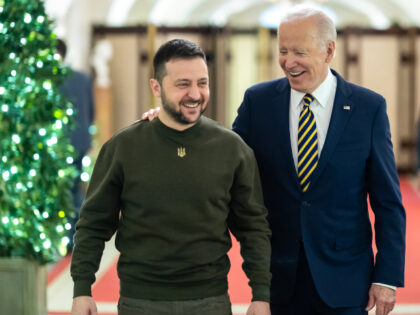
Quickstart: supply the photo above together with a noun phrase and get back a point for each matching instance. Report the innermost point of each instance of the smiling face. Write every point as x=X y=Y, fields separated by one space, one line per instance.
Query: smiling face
x=304 y=56
x=184 y=92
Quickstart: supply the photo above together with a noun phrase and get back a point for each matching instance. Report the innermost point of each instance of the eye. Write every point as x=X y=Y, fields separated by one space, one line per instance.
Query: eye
x=182 y=85
x=283 y=52
x=202 y=84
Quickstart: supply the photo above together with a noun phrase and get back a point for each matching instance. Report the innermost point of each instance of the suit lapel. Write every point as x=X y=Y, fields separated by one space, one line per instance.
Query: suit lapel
x=343 y=108
x=283 y=103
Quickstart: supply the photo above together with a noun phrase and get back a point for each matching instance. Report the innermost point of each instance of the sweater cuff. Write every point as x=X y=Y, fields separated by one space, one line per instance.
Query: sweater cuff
x=82 y=288
x=261 y=292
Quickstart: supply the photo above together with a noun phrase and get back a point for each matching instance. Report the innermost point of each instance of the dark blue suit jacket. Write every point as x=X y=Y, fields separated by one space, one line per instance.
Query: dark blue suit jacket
x=331 y=218
x=78 y=88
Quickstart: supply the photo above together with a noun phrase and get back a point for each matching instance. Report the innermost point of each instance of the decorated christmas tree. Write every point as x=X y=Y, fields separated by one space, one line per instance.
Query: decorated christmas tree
x=36 y=173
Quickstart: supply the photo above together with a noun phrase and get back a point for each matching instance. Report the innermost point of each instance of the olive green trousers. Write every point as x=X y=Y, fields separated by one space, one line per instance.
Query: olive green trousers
x=216 y=305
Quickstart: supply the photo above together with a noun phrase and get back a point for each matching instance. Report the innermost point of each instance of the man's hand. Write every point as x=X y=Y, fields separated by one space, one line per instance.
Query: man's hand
x=383 y=297
x=84 y=305
x=259 y=308
x=151 y=114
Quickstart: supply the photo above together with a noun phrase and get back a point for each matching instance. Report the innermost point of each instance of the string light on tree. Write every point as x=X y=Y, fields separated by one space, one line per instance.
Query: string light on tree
x=36 y=156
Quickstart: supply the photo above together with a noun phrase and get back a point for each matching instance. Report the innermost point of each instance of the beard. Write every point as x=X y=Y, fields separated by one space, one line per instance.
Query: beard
x=177 y=115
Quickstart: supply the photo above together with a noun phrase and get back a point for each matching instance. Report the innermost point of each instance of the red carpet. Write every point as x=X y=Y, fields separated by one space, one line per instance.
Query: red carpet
x=411 y=200
x=106 y=288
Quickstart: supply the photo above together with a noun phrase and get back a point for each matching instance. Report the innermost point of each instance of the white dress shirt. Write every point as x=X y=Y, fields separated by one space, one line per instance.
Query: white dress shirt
x=321 y=107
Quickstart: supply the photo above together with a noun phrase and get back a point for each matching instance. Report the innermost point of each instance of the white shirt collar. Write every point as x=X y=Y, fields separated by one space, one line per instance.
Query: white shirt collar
x=321 y=94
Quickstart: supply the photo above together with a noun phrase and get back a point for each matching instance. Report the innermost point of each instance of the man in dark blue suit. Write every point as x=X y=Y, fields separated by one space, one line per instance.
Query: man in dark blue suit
x=323 y=146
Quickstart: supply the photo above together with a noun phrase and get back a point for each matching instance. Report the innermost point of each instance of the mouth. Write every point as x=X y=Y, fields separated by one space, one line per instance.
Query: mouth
x=191 y=105
x=296 y=74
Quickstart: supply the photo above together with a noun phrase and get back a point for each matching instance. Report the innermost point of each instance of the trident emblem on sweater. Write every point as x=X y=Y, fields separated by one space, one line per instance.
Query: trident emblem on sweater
x=181 y=152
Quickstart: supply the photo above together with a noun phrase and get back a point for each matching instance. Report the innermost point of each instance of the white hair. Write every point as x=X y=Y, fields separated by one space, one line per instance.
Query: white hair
x=326 y=28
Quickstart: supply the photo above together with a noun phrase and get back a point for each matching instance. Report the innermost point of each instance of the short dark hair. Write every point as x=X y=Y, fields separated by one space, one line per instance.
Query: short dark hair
x=61 y=48
x=174 y=49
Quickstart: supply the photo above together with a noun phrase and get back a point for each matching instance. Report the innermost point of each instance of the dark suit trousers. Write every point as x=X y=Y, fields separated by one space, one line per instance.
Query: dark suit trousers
x=306 y=300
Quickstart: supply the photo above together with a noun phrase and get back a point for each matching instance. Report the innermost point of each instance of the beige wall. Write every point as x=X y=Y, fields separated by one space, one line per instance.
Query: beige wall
x=379 y=65
x=406 y=101
x=236 y=65
x=353 y=69
x=219 y=86
x=243 y=70
x=276 y=70
x=338 y=62
x=125 y=79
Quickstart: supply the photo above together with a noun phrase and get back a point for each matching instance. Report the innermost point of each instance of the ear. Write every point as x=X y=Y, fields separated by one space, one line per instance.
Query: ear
x=330 y=51
x=155 y=86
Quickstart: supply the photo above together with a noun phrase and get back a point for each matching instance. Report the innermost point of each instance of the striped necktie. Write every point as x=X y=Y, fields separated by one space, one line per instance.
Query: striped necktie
x=307 y=144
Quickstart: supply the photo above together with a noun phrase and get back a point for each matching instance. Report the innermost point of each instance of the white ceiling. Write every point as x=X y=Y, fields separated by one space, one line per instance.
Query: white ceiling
x=74 y=18
x=237 y=13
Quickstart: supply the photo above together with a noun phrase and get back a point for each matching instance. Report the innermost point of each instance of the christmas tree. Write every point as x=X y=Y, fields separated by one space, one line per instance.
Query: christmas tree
x=36 y=173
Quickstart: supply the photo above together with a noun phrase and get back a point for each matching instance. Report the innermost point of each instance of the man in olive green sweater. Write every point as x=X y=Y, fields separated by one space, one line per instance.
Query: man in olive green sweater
x=172 y=189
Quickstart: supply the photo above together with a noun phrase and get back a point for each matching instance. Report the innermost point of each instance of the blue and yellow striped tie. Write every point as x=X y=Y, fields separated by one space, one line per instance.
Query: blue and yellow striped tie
x=307 y=144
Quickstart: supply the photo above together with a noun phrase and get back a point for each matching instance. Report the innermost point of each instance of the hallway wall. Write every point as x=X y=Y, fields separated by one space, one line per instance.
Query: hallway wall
x=384 y=61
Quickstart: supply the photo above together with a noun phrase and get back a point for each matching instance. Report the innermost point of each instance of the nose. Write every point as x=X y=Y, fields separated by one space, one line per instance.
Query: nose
x=194 y=92
x=288 y=61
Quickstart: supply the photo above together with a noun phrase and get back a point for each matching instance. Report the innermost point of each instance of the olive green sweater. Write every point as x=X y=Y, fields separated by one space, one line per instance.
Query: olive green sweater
x=172 y=197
